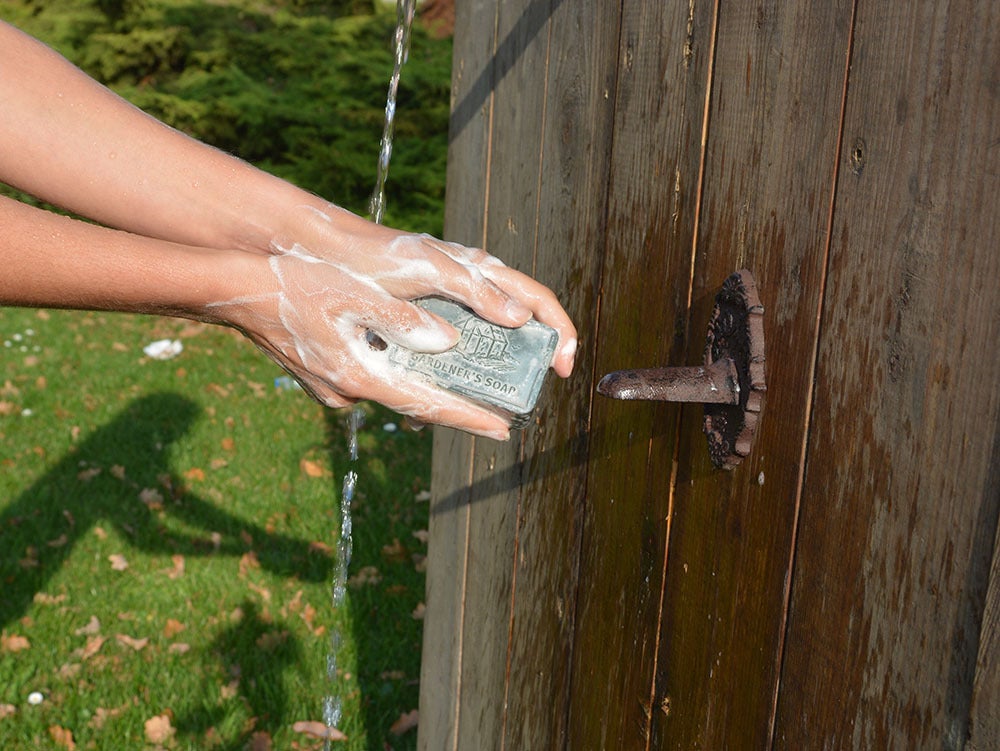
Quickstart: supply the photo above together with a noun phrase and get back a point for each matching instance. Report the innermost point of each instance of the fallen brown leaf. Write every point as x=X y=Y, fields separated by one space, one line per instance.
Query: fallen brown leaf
x=423 y=535
x=195 y=473
x=179 y=648
x=320 y=547
x=68 y=669
x=316 y=729
x=93 y=627
x=62 y=737
x=102 y=715
x=131 y=641
x=14 y=643
x=86 y=475
x=152 y=497
x=419 y=611
x=365 y=575
x=117 y=471
x=58 y=542
x=92 y=647
x=248 y=561
x=41 y=598
x=260 y=741
x=6 y=710
x=158 y=729
x=312 y=469
x=172 y=628
x=264 y=592
x=118 y=562
x=406 y=721
x=394 y=552
x=178 y=570
x=230 y=690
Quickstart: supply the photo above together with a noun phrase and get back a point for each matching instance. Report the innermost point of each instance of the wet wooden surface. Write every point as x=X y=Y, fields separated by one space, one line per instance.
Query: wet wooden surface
x=776 y=97
x=901 y=495
x=596 y=583
x=984 y=721
x=454 y=452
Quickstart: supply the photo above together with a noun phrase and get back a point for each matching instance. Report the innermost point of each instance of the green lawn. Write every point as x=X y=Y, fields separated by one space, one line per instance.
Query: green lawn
x=167 y=534
x=167 y=527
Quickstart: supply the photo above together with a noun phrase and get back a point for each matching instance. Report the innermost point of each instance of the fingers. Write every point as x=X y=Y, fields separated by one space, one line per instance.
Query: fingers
x=506 y=296
x=410 y=326
x=545 y=307
x=456 y=272
x=422 y=402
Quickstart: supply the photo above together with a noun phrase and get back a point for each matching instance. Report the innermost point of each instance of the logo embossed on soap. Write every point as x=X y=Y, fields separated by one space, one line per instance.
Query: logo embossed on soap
x=484 y=344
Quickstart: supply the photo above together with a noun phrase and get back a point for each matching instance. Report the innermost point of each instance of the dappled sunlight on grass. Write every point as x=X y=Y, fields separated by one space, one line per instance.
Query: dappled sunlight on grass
x=168 y=530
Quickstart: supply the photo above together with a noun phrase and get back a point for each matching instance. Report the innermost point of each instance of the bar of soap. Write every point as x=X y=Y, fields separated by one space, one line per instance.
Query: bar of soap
x=501 y=367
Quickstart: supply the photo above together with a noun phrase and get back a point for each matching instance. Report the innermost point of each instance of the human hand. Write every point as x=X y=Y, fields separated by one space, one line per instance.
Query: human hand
x=333 y=277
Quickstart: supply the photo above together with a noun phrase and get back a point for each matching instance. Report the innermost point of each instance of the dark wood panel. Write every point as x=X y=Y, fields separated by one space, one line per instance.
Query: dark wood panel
x=900 y=503
x=776 y=104
x=518 y=65
x=984 y=722
x=567 y=238
x=663 y=58
x=442 y=655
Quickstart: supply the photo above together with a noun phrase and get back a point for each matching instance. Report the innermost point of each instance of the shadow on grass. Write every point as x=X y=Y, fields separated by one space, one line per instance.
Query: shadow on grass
x=392 y=467
x=40 y=529
x=255 y=651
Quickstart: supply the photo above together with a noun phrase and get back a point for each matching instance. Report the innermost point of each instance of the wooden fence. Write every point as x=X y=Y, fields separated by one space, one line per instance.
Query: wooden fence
x=596 y=583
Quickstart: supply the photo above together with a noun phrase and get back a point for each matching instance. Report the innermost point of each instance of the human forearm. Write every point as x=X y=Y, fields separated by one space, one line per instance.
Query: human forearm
x=74 y=143
x=49 y=260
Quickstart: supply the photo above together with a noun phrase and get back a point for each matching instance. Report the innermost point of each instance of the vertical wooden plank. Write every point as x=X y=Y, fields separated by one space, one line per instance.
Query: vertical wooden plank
x=662 y=57
x=518 y=63
x=441 y=661
x=441 y=656
x=900 y=501
x=984 y=722
x=568 y=238
x=775 y=109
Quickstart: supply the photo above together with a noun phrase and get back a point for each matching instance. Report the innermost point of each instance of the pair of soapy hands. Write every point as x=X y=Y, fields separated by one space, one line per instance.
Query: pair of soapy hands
x=191 y=231
x=337 y=277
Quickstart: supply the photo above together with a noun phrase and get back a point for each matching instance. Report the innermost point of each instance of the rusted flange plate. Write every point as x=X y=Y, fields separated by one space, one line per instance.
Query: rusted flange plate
x=736 y=331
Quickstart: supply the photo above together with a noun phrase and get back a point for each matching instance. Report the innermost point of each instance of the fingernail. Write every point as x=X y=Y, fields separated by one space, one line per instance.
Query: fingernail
x=497 y=435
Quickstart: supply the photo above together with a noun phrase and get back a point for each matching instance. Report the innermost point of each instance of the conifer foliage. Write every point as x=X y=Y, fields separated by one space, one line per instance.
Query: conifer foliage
x=295 y=86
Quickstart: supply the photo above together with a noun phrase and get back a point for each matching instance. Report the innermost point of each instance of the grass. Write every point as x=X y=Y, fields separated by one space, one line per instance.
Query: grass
x=167 y=533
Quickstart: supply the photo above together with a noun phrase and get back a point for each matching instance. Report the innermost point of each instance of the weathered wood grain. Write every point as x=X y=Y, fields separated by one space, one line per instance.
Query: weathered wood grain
x=597 y=584
x=775 y=108
x=518 y=63
x=567 y=236
x=900 y=502
x=984 y=721
x=444 y=623
x=663 y=57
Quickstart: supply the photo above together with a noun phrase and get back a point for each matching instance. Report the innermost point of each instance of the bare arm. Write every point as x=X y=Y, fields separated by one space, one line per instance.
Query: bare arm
x=70 y=141
x=204 y=235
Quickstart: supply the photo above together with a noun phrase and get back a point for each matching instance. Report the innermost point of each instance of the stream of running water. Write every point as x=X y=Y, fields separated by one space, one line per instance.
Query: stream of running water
x=332 y=702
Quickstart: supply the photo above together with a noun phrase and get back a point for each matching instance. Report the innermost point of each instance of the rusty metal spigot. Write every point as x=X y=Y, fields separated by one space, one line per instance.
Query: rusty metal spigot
x=731 y=382
x=717 y=383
